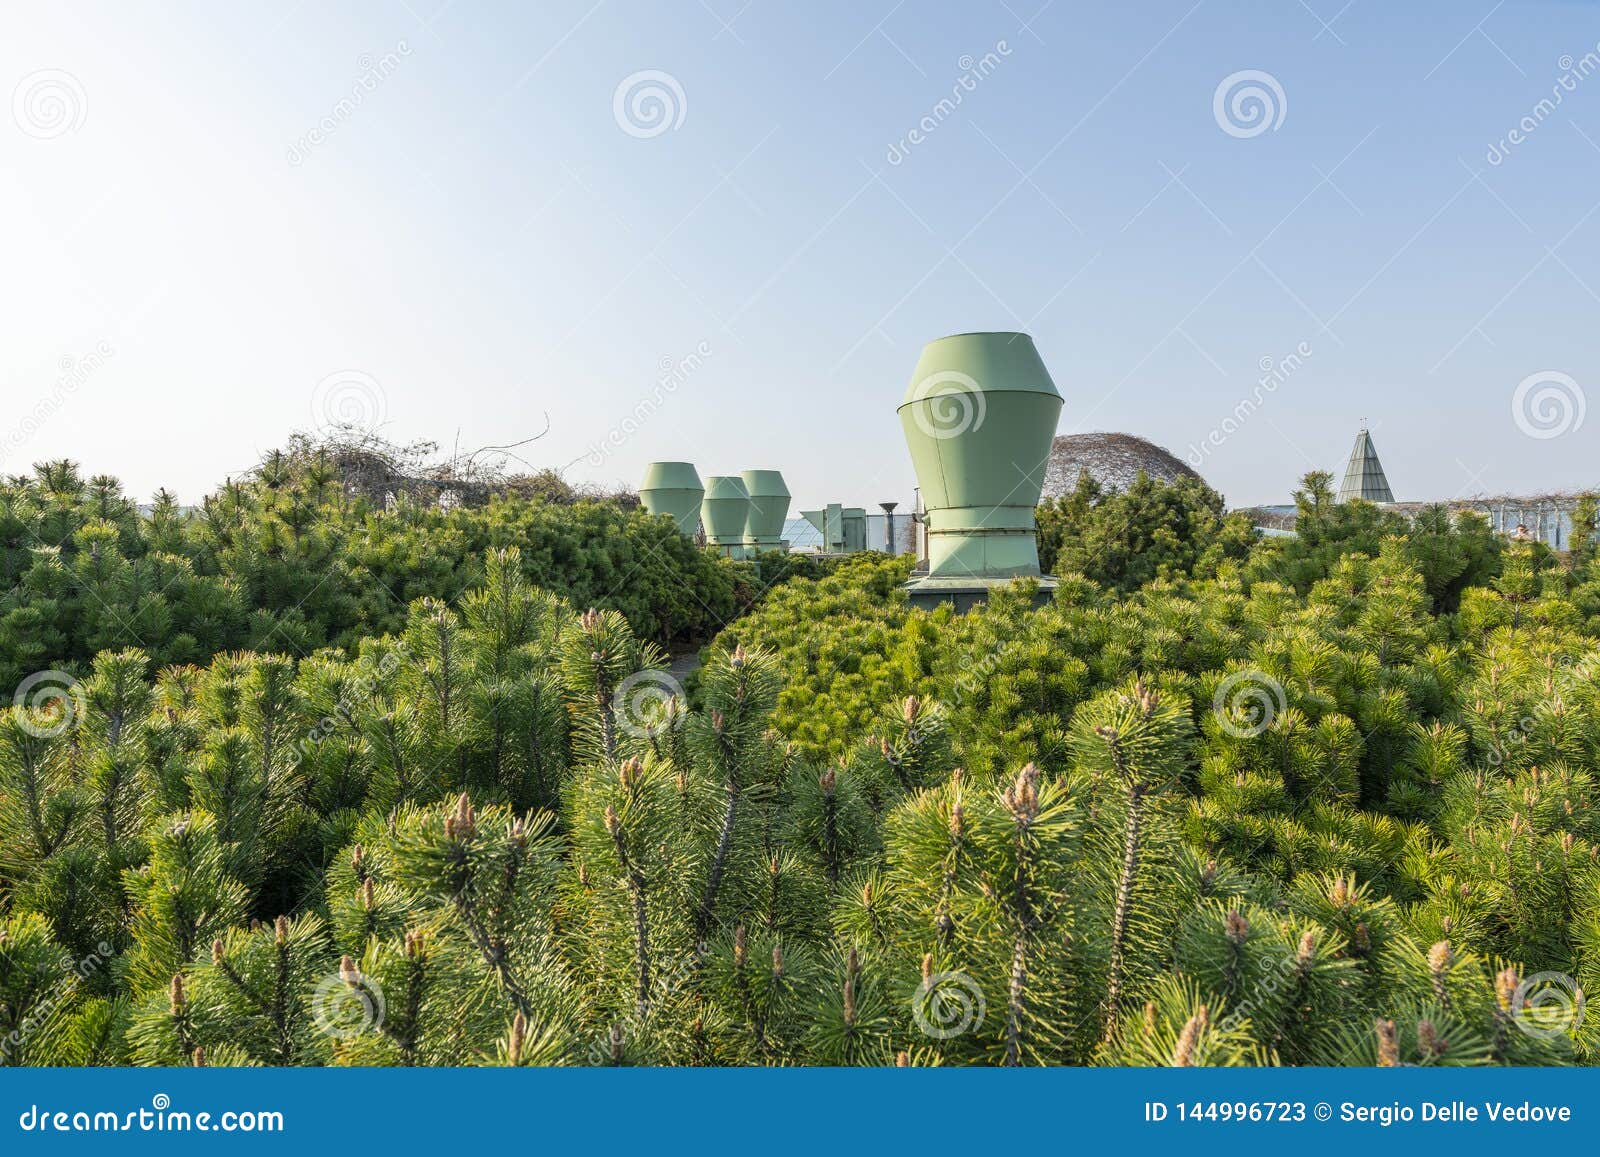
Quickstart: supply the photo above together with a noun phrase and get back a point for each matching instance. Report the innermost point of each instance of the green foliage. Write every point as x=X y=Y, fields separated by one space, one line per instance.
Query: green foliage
x=1451 y=553
x=1322 y=803
x=1153 y=530
x=1364 y=783
x=1581 y=545
x=286 y=562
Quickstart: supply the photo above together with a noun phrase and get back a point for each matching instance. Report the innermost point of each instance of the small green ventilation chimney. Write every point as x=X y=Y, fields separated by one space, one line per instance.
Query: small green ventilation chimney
x=724 y=511
x=673 y=489
x=979 y=418
x=769 y=507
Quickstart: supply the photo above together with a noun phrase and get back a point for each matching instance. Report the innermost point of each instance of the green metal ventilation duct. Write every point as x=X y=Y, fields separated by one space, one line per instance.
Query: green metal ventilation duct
x=724 y=511
x=843 y=528
x=673 y=489
x=979 y=418
x=769 y=507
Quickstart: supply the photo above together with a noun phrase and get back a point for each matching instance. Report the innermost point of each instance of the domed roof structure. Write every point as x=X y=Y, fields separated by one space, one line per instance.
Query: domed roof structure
x=1113 y=460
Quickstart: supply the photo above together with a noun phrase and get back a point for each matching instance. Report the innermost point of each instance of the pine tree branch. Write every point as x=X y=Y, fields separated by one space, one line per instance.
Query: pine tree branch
x=708 y=899
x=1123 y=906
x=641 y=920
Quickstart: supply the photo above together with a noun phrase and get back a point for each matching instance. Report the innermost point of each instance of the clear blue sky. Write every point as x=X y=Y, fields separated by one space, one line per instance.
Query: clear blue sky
x=481 y=237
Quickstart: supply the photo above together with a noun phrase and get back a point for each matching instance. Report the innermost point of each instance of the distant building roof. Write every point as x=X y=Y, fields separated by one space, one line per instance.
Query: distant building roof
x=1113 y=460
x=1363 y=477
x=801 y=535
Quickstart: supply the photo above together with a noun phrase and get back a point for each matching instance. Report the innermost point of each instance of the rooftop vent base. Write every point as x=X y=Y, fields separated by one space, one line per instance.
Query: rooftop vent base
x=965 y=593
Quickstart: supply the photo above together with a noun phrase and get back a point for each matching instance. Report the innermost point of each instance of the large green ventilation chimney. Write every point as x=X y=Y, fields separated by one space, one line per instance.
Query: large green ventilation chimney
x=979 y=418
x=724 y=511
x=769 y=507
x=673 y=489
